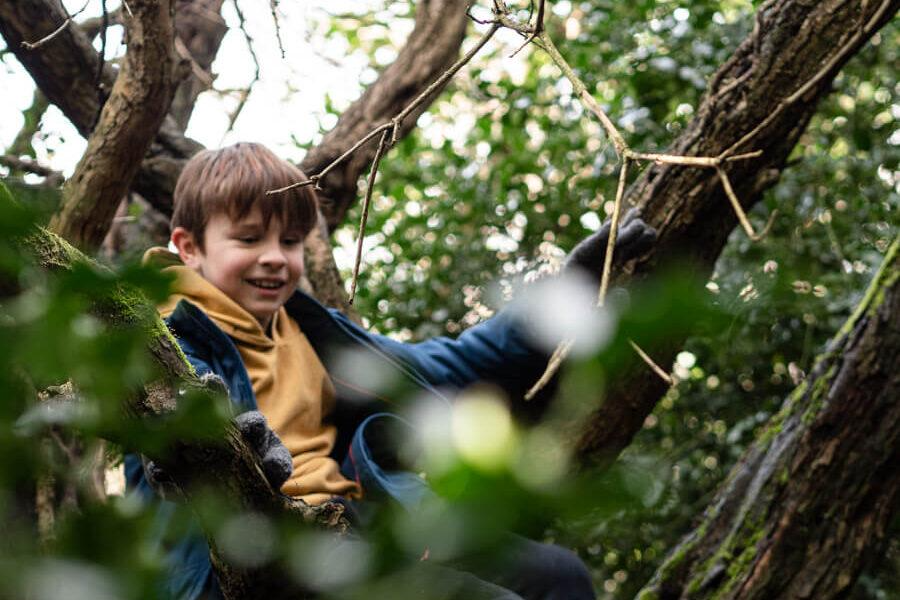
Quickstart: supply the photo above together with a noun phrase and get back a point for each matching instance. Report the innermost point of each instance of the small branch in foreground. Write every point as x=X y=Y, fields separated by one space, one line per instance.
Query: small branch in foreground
x=652 y=363
x=383 y=146
x=55 y=32
x=613 y=233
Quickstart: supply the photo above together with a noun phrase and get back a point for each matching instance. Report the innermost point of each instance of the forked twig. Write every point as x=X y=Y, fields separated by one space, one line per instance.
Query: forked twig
x=395 y=122
x=538 y=28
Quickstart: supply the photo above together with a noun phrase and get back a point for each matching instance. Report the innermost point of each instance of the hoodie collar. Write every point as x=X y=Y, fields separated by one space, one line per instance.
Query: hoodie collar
x=227 y=314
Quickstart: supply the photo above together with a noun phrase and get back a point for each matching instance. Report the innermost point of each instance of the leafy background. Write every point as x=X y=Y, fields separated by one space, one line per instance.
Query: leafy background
x=503 y=176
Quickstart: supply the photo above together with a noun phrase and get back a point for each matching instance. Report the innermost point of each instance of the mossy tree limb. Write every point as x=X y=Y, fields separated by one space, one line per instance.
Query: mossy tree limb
x=809 y=501
x=227 y=465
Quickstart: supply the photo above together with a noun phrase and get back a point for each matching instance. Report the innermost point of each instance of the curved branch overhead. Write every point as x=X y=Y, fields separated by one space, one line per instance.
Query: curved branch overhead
x=127 y=124
x=431 y=49
x=793 y=42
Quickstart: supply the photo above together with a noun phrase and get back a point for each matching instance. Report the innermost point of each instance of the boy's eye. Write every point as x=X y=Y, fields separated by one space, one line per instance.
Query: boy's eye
x=290 y=241
x=247 y=239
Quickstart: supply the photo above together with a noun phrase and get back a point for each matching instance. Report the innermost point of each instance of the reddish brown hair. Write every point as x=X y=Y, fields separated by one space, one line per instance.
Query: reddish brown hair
x=233 y=180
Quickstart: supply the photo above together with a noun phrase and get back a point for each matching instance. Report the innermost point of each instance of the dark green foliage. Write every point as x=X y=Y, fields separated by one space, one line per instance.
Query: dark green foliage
x=787 y=295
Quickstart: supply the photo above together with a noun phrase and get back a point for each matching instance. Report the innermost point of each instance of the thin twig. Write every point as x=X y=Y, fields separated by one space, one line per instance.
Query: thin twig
x=691 y=161
x=383 y=145
x=245 y=93
x=538 y=28
x=57 y=31
x=556 y=360
x=613 y=232
x=395 y=123
x=652 y=364
x=273 y=6
x=739 y=210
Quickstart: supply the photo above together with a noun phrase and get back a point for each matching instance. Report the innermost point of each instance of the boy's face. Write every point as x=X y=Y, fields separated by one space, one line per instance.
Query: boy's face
x=256 y=267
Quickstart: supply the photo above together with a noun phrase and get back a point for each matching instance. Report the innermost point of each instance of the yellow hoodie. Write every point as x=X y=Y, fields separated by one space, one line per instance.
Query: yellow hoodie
x=292 y=388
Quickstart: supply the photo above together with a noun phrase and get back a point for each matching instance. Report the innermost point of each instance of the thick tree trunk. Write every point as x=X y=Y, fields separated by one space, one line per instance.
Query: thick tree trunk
x=127 y=125
x=809 y=502
x=794 y=40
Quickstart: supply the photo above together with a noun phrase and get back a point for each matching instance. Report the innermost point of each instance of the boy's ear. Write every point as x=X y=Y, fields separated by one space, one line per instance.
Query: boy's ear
x=188 y=249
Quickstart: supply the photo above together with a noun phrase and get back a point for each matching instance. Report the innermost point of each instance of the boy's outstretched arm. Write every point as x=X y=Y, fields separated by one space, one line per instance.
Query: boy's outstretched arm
x=501 y=350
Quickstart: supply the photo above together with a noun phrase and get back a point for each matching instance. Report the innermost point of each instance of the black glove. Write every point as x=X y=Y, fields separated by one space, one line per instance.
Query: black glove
x=635 y=237
x=274 y=456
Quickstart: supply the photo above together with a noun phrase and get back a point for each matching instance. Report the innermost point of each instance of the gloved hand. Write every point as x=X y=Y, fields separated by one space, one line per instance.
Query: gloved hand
x=274 y=456
x=635 y=237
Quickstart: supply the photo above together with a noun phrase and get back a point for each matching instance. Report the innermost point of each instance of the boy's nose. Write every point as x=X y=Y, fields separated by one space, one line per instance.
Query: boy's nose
x=273 y=256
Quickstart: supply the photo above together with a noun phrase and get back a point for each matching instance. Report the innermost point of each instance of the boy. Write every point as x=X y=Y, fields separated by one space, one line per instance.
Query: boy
x=237 y=314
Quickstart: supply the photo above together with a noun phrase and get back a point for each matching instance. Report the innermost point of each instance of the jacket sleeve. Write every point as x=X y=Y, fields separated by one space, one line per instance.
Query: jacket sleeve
x=496 y=351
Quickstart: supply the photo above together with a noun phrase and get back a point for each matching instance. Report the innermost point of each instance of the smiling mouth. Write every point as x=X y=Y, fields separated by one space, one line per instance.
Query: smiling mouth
x=266 y=284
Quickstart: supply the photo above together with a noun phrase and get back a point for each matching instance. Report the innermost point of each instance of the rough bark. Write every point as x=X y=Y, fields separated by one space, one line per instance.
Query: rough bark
x=809 y=502
x=127 y=125
x=793 y=41
x=229 y=465
x=65 y=70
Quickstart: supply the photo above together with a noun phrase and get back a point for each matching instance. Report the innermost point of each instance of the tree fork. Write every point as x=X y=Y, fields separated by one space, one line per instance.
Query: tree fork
x=128 y=123
x=809 y=501
x=689 y=208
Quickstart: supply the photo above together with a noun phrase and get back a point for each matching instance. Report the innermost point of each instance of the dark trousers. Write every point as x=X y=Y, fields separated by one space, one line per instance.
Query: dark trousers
x=519 y=569
x=528 y=570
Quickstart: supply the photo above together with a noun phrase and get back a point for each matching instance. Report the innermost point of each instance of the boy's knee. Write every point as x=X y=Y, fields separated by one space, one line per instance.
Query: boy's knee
x=570 y=574
x=556 y=573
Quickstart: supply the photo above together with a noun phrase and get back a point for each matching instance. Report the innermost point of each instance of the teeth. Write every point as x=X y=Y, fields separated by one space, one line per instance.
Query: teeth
x=266 y=284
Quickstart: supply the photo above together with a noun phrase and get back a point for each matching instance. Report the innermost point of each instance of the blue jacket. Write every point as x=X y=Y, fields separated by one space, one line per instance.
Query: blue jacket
x=495 y=351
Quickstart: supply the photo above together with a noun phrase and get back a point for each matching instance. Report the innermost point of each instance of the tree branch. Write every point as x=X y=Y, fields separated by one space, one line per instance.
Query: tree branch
x=810 y=500
x=128 y=123
x=689 y=207
x=431 y=49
